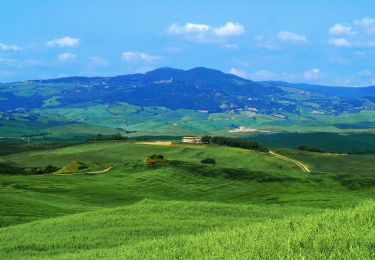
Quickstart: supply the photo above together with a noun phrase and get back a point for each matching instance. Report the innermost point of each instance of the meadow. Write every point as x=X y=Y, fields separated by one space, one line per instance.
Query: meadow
x=248 y=205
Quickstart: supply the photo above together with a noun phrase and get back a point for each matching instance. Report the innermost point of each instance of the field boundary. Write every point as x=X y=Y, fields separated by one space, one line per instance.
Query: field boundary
x=298 y=163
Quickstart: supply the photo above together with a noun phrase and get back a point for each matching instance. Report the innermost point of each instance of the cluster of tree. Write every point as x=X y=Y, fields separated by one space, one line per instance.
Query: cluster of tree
x=244 y=144
x=11 y=169
x=209 y=161
x=155 y=157
x=308 y=148
x=101 y=137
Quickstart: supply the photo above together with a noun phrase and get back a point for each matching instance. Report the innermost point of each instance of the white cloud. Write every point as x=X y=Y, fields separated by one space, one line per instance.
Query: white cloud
x=66 y=56
x=312 y=74
x=368 y=24
x=136 y=56
x=5 y=47
x=64 y=42
x=339 y=29
x=205 y=33
x=238 y=72
x=373 y=82
x=229 y=29
x=339 y=42
x=291 y=37
x=360 y=33
x=97 y=61
x=366 y=21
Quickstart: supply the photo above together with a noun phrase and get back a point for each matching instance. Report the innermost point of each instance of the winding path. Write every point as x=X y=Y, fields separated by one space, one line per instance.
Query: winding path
x=298 y=163
x=76 y=173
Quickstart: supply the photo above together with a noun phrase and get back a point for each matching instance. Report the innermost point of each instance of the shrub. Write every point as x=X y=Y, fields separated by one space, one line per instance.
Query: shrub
x=209 y=161
x=155 y=157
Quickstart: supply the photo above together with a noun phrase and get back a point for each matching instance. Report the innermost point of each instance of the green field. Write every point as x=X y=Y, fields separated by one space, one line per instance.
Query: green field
x=247 y=205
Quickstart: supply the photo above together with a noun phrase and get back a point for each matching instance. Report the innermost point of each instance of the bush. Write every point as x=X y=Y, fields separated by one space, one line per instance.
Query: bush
x=155 y=157
x=209 y=161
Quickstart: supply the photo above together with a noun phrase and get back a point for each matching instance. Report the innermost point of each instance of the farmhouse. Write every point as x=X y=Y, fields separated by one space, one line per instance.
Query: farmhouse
x=192 y=139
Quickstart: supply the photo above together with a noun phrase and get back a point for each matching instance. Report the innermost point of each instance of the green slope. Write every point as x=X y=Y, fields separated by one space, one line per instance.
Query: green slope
x=249 y=204
x=188 y=230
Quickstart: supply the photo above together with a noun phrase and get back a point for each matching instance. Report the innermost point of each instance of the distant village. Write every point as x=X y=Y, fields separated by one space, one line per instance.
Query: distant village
x=245 y=129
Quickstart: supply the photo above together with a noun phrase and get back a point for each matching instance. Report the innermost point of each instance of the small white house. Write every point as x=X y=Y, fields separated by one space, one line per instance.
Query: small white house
x=192 y=139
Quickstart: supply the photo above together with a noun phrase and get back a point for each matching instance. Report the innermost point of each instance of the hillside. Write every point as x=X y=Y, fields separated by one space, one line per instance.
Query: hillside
x=248 y=204
x=198 y=89
x=191 y=230
x=167 y=100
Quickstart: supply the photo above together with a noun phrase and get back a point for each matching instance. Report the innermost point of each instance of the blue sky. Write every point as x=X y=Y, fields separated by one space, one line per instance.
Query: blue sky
x=326 y=42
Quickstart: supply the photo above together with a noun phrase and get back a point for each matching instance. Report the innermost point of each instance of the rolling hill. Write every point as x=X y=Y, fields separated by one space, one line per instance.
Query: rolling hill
x=249 y=204
x=167 y=100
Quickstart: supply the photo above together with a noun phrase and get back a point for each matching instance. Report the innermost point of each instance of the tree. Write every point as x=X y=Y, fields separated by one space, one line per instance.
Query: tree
x=206 y=139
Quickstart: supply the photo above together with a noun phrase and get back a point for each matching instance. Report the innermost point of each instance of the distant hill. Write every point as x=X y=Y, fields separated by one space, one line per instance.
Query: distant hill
x=198 y=89
x=343 y=92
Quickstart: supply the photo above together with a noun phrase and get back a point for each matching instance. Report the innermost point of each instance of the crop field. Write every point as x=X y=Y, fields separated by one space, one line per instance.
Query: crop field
x=248 y=204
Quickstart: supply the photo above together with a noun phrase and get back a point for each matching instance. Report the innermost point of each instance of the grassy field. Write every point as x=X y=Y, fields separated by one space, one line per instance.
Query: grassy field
x=85 y=119
x=249 y=204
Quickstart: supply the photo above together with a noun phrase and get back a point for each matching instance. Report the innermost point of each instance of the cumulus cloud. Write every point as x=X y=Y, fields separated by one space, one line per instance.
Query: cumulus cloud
x=137 y=56
x=5 y=47
x=368 y=24
x=64 y=42
x=238 y=72
x=339 y=42
x=312 y=74
x=229 y=29
x=359 y=33
x=339 y=29
x=205 y=33
x=66 y=56
x=291 y=37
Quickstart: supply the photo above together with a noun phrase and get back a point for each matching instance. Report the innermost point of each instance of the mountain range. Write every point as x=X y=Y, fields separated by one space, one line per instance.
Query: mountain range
x=199 y=89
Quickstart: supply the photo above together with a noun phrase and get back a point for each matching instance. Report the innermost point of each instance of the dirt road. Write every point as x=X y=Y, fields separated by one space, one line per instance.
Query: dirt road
x=298 y=163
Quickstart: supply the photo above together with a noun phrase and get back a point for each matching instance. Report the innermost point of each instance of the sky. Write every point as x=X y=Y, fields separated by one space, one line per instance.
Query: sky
x=321 y=42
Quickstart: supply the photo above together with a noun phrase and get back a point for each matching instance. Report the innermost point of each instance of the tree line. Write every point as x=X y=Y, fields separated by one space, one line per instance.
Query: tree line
x=233 y=142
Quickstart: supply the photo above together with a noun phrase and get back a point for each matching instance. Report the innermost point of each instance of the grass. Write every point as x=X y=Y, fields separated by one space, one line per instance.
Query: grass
x=188 y=230
x=248 y=205
x=358 y=165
